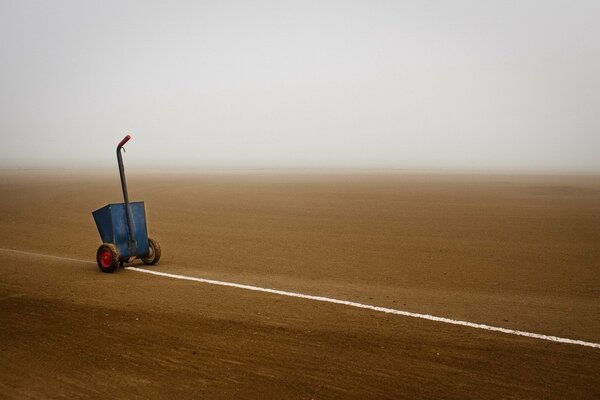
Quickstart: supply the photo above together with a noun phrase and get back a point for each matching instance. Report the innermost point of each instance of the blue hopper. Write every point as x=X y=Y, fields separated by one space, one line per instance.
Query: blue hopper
x=122 y=228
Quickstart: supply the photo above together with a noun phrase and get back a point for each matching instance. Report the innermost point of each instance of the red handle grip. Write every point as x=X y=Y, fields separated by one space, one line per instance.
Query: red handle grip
x=125 y=140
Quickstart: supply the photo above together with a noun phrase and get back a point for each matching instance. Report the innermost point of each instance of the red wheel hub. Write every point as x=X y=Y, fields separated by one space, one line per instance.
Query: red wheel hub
x=106 y=258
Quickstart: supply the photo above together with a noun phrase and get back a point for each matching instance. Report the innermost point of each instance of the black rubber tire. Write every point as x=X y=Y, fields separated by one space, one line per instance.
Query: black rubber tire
x=107 y=257
x=154 y=254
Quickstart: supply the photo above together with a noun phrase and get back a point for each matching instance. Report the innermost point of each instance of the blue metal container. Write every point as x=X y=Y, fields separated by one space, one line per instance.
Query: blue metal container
x=122 y=227
x=112 y=224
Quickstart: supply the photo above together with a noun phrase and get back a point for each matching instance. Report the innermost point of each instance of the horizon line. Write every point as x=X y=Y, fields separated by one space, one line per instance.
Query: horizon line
x=482 y=171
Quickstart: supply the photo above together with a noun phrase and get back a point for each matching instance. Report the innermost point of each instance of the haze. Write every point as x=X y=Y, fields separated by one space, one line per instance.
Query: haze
x=308 y=84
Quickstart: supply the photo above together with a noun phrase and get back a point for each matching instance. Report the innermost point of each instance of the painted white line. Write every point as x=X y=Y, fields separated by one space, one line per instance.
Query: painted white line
x=31 y=253
x=335 y=301
x=370 y=307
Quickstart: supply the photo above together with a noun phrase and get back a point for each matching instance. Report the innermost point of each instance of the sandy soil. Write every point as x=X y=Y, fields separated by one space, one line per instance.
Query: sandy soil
x=520 y=252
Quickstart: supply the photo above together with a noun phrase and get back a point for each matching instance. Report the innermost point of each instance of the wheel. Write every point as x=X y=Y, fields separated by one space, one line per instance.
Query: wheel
x=107 y=257
x=153 y=253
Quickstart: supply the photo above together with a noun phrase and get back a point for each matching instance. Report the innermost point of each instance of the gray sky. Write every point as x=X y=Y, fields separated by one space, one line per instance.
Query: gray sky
x=268 y=84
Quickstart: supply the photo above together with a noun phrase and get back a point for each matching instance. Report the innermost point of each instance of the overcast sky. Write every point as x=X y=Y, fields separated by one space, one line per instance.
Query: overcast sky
x=268 y=84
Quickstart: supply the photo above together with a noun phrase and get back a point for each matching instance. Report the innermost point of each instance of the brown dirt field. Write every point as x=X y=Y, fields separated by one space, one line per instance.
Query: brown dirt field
x=521 y=252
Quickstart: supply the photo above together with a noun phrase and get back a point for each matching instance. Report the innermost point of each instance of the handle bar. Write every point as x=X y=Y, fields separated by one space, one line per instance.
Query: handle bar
x=122 y=142
x=132 y=242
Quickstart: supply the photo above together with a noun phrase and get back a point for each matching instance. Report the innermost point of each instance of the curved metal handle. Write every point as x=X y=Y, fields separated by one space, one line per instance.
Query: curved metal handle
x=132 y=242
x=122 y=142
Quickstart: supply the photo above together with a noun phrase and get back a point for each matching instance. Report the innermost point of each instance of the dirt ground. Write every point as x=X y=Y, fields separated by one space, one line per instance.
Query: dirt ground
x=514 y=251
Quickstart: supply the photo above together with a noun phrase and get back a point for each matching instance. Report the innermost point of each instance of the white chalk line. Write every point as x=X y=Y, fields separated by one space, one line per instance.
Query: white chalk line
x=337 y=301
x=370 y=307
x=31 y=253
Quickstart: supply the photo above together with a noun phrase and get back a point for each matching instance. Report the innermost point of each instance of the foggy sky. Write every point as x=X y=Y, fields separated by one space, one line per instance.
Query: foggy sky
x=318 y=84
